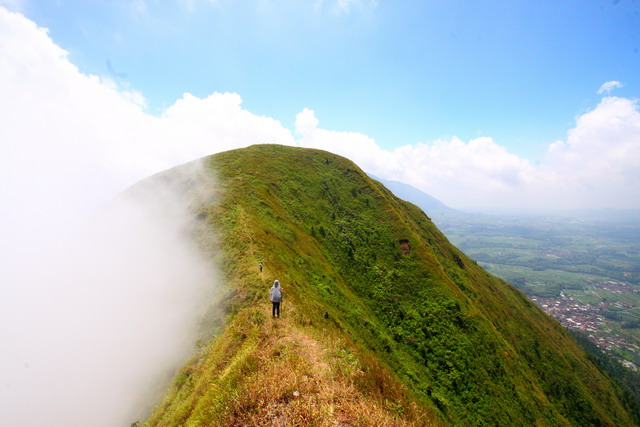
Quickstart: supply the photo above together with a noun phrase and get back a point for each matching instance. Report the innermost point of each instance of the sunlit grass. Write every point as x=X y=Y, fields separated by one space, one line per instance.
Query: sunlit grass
x=383 y=321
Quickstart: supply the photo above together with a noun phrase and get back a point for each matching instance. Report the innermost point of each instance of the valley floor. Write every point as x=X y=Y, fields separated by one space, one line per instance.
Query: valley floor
x=584 y=273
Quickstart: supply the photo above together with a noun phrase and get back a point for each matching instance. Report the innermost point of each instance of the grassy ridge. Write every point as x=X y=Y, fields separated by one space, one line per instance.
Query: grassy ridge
x=384 y=320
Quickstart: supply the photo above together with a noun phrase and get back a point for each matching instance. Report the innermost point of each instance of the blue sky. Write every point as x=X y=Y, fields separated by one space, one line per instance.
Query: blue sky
x=400 y=72
x=495 y=104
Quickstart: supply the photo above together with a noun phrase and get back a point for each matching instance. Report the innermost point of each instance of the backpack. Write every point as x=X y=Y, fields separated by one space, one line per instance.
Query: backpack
x=276 y=294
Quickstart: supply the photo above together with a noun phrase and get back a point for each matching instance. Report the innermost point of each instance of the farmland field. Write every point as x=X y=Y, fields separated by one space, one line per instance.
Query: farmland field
x=553 y=251
x=584 y=272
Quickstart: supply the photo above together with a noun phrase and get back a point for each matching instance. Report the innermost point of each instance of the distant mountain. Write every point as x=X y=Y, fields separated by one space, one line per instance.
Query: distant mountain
x=384 y=321
x=429 y=204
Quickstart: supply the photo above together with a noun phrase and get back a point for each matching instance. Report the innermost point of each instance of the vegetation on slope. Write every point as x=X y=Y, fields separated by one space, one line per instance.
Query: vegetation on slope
x=384 y=321
x=627 y=379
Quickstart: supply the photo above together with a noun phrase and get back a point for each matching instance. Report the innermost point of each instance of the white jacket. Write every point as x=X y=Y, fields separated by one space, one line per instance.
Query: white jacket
x=275 y=294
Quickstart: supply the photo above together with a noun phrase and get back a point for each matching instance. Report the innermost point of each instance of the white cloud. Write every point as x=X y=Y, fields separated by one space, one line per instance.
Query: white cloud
x=465 y=174
x=133 y=96
x=597 y=166
x=599 y=163
x=93 y=325
x=459 y=173
x=607 y=87
x=74 y=305
x=83 y=116
x=217 y=123
x=353 y=145
x=54 y=115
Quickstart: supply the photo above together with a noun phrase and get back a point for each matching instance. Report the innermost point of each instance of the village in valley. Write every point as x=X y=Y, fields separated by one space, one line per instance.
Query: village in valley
x=610 y=323
x=583 y=271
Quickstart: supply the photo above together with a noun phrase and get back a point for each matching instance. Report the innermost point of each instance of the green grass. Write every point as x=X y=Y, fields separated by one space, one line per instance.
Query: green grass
x=418 y=332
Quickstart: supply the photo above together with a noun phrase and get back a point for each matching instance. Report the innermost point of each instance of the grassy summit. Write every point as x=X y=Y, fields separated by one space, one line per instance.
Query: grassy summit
x=384 y=322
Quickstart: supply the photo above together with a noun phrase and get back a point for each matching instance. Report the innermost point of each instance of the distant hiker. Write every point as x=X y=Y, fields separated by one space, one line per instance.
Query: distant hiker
x=260 y=267
x=275 y=295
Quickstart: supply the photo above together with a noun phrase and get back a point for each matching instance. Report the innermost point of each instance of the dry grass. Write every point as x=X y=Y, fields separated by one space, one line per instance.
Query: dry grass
x=301 y=380
x=276 y=372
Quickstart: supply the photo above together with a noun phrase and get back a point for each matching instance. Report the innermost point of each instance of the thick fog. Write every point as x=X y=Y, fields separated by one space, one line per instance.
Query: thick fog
x=100 y=294
x=95 y=319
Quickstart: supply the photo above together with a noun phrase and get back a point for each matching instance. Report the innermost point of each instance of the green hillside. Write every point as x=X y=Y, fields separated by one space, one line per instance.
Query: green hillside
x=384 y=322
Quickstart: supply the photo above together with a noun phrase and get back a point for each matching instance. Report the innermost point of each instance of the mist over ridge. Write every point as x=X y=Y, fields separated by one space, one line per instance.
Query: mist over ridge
x=97 y=321
x=100 y=295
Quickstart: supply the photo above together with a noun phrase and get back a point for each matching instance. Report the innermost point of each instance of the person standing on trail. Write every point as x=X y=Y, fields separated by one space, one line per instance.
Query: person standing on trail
x=275 y=295
x=260 y=267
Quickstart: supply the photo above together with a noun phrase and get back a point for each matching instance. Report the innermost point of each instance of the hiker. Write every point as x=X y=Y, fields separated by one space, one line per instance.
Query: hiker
x=260 y=267
x=275 y=295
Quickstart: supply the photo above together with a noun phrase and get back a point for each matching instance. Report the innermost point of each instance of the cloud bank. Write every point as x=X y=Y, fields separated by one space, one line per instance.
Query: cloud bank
x=593 y=167
x=100 y=297
x=95 y=324
x=597 y=166
x=81 y=319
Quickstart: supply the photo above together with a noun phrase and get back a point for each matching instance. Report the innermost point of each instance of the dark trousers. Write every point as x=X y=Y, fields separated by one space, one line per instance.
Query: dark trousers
x=276 y=307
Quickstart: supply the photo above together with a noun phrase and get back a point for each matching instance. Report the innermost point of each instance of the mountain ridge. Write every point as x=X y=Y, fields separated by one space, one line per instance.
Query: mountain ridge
x=379 y=309
x=423 y=200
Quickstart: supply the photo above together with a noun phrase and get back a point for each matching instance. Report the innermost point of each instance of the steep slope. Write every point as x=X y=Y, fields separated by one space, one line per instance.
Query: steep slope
x=384 y=321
